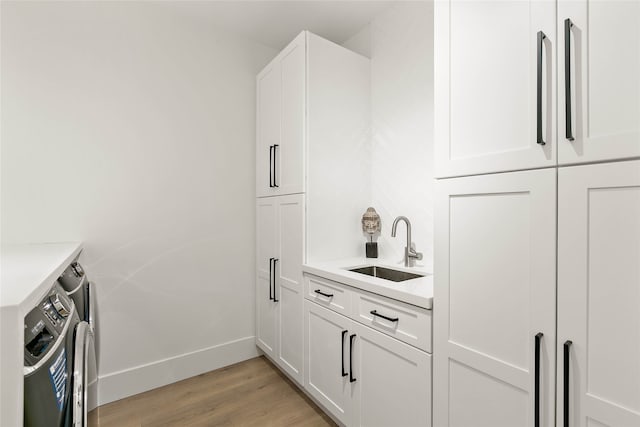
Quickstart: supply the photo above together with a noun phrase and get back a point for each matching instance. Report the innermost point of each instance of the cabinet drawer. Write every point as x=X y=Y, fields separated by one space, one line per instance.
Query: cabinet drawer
x=328 y=293
x=402 y=321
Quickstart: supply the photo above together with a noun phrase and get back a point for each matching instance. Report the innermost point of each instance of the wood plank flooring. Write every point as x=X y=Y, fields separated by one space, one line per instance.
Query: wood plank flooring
x=251 y=393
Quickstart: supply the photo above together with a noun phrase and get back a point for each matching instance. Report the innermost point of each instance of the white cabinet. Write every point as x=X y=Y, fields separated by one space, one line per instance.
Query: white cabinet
x=327 y=360
x=364 y=377
x=313 y=113
x=279 y=287
x=281 y=122
x=495 y=100
x=494 y=292
x=392 y=381
x=486 y=86
x=599 y=295
x=267 y=249
x=600 y=75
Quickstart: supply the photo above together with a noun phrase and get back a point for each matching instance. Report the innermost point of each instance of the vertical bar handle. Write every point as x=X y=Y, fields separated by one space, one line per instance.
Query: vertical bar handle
x=344 y=335
x=271 y=166
x=567 y=354
x=270 y=278
x=536 y=414
x=275 y=168
x=539 y=139
x=351 y=377
x=275 y=260
x=567 y=79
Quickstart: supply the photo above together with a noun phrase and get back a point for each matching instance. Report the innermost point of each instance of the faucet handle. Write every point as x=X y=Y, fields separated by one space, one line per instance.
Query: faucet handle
x=413 y=253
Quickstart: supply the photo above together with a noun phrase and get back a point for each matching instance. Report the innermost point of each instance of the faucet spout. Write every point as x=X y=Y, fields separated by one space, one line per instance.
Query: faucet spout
x=410 y=254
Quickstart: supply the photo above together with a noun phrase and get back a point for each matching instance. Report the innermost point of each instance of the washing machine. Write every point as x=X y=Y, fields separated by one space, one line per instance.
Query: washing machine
x=83 y=292
x=85 y=370
x=60 y=370
x=77 y=285
x=84 y=396
x=49 y=330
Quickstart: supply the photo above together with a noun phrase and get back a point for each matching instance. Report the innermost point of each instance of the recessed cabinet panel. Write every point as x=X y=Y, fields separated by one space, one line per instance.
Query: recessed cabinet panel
x=402 y=321
x=290 y=153
x=489 y=280
x=265 y=318
x=289 y=283
x=495 y=291
x=291 y=240
x=326 y=359
x=329 y=294
x=281 y=122
x=480 y=400
x=266 y=242
x=486 y=86
x=267 y=126
x=290 y=351
x=599 y=293
x=603 y=59
x=393 y=381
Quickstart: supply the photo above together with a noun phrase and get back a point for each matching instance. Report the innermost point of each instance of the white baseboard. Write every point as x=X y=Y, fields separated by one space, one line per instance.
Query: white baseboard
x=118 y=385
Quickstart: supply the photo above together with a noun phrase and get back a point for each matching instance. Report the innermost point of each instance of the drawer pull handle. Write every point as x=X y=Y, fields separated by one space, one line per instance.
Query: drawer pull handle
x=390 y=319
x=344 y=334
x=319 y=292
x=352 y=379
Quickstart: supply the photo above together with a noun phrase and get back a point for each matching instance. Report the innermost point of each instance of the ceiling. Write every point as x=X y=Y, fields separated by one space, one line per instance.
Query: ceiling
x=275 y=23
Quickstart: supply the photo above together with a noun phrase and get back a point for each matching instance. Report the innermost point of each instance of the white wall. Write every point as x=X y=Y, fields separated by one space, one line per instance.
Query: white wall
x=400 y=44
x=134 y=131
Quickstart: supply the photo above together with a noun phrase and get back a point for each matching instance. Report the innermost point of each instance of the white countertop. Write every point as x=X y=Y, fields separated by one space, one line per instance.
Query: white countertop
x=27 y=272
x=417 y=292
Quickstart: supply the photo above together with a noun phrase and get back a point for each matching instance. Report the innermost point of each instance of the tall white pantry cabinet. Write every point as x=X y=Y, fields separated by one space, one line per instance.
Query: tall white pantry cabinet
x=312 y=123
x=537 y=241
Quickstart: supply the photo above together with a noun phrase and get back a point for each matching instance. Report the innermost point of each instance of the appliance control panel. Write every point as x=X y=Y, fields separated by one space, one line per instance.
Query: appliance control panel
x=45 y=323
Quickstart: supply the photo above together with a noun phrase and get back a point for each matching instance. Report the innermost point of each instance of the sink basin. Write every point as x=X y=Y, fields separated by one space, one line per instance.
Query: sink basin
x=386 y=273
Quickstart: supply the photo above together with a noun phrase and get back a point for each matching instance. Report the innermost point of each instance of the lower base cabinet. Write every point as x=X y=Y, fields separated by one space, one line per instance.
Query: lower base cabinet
x=364 y=377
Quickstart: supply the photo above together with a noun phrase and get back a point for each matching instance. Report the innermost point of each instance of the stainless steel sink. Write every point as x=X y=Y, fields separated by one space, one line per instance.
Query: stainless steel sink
x=386 y=273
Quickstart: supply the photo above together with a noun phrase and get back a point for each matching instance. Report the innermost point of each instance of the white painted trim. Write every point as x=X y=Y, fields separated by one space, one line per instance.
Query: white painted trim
x=121 y=384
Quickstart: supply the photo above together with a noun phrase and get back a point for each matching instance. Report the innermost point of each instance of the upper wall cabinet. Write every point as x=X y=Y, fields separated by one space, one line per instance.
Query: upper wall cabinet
x=281 y=122
x=313 y=137
x=494 y=86
x=598 y=80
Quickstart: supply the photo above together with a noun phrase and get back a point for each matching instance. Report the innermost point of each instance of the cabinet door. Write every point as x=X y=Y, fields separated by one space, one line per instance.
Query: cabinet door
x=486 y=86
x=326 y=355
x=289 y=155
x=266 y=243
x=603 y=80
x=599 y=294
x=267 y=127
x=495 y=264
x=290 y=289
x=393 y=381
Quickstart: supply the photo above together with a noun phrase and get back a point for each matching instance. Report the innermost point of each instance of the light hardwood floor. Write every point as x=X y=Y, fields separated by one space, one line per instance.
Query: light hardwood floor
x=251 y=393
